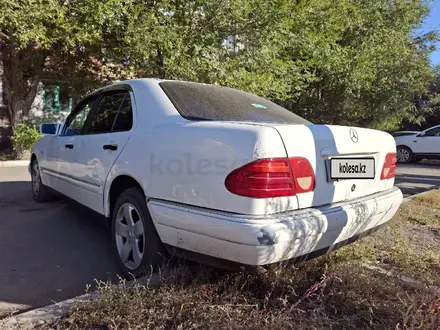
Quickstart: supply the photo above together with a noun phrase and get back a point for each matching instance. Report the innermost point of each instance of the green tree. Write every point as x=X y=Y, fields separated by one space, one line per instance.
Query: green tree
x=341 y=62
x=367 y=65
x=44 y=37
x=427 y=106
x=345 y=62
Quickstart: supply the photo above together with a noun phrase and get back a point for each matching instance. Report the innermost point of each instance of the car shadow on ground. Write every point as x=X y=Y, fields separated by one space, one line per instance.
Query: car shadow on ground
x=417 y=178
x=48 y=251
x=424 y=163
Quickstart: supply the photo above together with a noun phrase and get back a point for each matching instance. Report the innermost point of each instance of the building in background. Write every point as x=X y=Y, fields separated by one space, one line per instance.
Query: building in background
x=54 y=99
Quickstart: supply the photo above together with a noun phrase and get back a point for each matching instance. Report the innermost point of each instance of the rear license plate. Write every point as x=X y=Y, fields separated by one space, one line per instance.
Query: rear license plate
x=352 y=168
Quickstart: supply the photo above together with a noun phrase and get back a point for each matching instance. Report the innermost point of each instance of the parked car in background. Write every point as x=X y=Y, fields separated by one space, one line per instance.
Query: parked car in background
x=404 y=133
x=213 y=173
x=415 y=146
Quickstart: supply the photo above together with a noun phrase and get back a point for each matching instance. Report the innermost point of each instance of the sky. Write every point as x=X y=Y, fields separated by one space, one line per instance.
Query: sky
x=432 y=22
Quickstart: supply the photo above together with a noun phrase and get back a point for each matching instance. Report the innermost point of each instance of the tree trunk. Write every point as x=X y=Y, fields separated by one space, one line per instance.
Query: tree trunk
x=21 y=72
x=19 y=104
x=160 y=61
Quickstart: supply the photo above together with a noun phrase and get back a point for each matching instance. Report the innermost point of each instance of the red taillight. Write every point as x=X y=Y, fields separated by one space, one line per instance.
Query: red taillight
x=272 y=177
x=389 y=166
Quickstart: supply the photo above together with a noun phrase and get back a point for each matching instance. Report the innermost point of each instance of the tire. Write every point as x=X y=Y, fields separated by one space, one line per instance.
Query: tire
x=40 y=192
x=136 y=245
x=404 y=155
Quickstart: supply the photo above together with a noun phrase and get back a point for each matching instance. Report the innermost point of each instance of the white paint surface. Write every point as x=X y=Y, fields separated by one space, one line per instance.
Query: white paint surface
x=186 y=162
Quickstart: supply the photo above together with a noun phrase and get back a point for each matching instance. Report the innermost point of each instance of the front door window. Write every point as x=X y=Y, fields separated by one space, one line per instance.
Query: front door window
x=76 y=122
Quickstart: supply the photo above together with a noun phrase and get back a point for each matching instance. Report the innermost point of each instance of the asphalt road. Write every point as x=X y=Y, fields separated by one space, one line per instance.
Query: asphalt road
x=415 y=178
x=50 y=252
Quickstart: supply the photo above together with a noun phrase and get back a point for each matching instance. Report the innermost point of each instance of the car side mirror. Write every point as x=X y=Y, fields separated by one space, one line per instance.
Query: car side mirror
x=49 y=129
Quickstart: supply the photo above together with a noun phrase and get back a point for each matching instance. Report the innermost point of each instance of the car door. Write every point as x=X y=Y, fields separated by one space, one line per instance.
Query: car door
x=107 y=132
x=56 y=172
x=429 y=141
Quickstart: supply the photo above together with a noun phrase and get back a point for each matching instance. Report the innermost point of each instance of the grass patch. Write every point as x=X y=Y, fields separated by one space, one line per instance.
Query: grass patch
x=334 y=291
x=304 y=297
x=431 y=200
x=410 y=244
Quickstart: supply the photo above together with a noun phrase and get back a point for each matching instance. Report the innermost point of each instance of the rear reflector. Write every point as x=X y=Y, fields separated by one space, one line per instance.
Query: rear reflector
x=389 y=166
x=272 y=177
x=303 y=175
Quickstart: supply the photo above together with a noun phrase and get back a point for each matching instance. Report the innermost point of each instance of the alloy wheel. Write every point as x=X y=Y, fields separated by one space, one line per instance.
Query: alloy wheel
x=35 y=178
x=402 y=155
x=130 y=236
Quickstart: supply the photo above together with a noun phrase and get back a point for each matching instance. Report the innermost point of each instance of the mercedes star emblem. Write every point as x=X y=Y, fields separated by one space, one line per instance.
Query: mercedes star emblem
x=354 y=135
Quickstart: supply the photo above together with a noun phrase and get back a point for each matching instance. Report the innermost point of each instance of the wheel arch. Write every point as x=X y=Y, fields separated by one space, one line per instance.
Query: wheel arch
x=33 y=157
x=404 y=145
x=116 y=187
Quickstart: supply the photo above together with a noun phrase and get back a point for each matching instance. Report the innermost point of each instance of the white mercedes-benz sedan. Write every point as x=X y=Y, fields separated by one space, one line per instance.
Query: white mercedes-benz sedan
x=215 y=174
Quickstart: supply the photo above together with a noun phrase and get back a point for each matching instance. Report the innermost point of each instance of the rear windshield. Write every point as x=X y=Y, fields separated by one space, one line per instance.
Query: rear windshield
x=196 y=101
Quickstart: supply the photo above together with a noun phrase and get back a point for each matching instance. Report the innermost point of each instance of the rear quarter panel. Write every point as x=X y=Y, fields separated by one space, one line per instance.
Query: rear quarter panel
x=408 y=141
x=188 y=162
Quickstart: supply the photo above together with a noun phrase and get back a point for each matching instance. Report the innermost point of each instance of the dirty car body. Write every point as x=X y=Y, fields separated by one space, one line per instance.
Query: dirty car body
x=221 y=173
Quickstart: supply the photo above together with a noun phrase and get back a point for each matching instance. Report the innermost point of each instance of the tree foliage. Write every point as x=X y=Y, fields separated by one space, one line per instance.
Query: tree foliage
x=49 y=38
x=24 y=137
x=428 y=104
x=342 y=62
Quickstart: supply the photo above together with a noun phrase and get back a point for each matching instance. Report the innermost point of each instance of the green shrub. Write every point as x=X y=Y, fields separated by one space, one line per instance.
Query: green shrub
x=24 y=138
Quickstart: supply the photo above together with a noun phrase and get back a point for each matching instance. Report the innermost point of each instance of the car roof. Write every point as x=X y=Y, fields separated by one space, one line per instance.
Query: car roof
x=125 y=82
x=132 y=82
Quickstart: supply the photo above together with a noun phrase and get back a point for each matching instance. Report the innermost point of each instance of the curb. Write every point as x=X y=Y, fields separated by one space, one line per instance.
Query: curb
x=14 y=163
x=51 y=313
x=44 y=315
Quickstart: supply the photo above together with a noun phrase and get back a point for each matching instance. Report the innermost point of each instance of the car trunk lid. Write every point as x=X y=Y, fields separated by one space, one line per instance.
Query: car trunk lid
x=322 y=143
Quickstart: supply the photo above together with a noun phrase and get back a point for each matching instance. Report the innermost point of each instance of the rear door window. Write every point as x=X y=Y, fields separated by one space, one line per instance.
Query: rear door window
x=106 y=112
x=433 y=132
x=76 y=122
x=207 y=102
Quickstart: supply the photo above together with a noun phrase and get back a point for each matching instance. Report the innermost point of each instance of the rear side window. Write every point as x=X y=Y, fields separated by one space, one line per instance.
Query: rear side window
x=433 y=132
x=124 y=121
x=207 y=102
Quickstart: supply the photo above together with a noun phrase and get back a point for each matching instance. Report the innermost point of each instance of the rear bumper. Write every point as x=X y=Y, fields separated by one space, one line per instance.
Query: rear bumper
x=260 y=240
